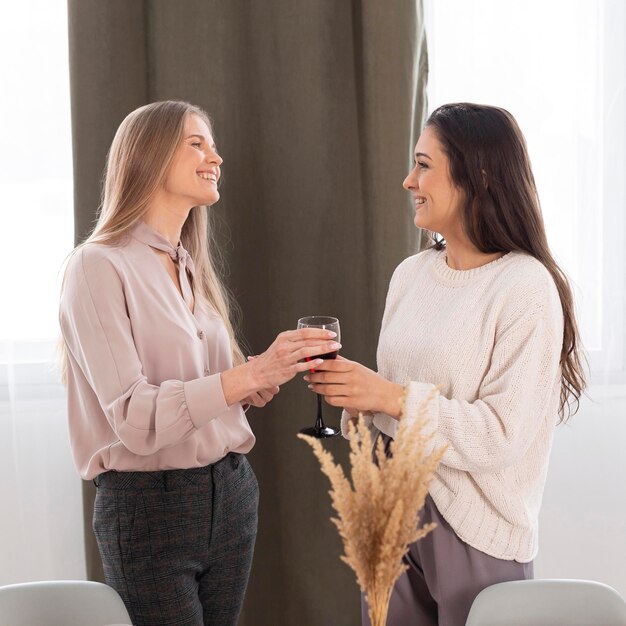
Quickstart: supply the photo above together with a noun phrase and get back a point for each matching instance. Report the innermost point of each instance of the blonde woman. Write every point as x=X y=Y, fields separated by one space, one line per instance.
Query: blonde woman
x=156 y=380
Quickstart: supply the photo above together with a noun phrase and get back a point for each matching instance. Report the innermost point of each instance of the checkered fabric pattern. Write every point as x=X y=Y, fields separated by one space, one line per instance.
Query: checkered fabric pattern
x=177 y=545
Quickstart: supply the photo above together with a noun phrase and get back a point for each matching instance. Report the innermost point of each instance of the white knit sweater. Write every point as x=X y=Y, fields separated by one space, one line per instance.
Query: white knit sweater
x=491 y=338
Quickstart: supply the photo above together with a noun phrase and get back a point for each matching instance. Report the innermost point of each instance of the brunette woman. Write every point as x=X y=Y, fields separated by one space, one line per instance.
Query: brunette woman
x=487 y=315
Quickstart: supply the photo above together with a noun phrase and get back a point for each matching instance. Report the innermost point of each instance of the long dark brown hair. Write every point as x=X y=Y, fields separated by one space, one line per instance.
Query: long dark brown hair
x=501 y=213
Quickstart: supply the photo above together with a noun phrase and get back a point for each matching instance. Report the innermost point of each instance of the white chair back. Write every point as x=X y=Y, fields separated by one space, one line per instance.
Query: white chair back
x=550 y=602
x=61 y=603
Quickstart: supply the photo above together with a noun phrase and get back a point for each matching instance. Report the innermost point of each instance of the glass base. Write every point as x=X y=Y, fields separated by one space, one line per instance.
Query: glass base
x=321 y=433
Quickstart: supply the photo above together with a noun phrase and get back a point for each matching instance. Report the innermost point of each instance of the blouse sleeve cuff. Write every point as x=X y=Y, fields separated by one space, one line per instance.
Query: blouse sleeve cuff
x=205 y=399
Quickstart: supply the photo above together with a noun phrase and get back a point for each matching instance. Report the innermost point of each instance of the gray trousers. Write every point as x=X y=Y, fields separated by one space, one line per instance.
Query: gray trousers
x=177 y=545
x=444 y=576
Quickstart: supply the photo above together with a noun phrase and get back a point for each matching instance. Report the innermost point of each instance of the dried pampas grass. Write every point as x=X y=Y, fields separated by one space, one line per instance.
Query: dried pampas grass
x=378 y=514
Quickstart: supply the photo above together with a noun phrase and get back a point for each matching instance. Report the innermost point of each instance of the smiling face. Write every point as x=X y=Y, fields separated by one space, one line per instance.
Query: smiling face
x=192 y=177
x=437 y=199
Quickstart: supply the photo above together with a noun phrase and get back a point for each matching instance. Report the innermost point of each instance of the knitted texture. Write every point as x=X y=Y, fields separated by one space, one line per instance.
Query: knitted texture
x=490 y=338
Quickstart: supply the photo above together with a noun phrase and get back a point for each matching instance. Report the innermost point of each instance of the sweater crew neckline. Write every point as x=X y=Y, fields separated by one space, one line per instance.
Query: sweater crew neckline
x=455 y=277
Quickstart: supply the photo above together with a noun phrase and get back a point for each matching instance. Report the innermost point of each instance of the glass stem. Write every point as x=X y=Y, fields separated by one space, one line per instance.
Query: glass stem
x=319 y=422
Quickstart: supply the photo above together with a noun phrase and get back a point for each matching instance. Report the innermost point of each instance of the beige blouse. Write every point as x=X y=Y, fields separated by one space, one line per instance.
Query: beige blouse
x=144 y=387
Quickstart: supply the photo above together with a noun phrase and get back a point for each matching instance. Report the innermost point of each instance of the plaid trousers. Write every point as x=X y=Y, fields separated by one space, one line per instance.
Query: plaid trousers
x=177 y=545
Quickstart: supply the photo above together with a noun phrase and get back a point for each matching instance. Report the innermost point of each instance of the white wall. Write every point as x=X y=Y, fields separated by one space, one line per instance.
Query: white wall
x=583 y=519
x=41 y=534
x=41 y=531
x=558 y=66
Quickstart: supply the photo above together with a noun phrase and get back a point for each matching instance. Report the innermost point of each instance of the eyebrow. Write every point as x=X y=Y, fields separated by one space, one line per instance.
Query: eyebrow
x=422 y=154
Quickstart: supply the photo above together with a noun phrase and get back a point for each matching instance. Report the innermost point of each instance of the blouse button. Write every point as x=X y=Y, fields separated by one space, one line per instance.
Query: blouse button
x=201 y=334
x=206 y=371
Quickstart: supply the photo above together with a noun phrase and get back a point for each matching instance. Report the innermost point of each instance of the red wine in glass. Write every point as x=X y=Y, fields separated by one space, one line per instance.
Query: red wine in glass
x=328 y=355
x=320 y=430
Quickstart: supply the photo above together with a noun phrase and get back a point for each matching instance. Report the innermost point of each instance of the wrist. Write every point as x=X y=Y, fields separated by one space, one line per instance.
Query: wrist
x=237 y=383
x=250 y=375
x=392 y=404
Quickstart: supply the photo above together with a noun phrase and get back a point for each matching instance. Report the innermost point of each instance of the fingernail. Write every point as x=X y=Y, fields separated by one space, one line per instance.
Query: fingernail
x=306 y=378
x=335 y=345
x=310 y=386
x=331 y=333
x=318 y=361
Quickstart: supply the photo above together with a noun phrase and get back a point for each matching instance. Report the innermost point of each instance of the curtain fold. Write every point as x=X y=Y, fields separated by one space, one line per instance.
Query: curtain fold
x=316 y=107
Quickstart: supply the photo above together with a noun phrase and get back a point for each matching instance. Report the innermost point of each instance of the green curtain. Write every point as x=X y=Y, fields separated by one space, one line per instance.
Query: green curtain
x=317 y=106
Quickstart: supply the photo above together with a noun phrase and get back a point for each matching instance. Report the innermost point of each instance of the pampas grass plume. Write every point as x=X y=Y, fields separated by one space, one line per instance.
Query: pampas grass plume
x=378 y=513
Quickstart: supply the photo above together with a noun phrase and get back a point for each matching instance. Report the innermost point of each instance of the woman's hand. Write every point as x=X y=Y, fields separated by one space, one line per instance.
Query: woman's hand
x=262 y=397
x=353 y=386
x=286 y=356
x=278 y=364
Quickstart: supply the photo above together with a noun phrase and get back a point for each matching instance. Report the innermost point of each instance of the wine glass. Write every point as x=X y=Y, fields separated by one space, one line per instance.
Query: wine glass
x=320 y=430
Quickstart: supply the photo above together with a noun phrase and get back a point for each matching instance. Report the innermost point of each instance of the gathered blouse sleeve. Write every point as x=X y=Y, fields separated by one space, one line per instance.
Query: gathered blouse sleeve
x=98 y=333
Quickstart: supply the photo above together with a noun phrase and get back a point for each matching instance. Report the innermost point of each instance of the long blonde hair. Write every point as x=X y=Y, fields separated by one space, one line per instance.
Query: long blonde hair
x=141 y=153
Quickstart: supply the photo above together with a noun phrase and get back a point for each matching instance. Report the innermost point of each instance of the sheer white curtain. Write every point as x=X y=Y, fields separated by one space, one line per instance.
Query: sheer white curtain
x=560 y=68
x=41 y=535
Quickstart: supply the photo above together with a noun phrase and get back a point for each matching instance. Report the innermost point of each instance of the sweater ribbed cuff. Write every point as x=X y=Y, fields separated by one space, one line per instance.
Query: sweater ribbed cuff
x=345 y=420
x=417 y=395
x=422 y=397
